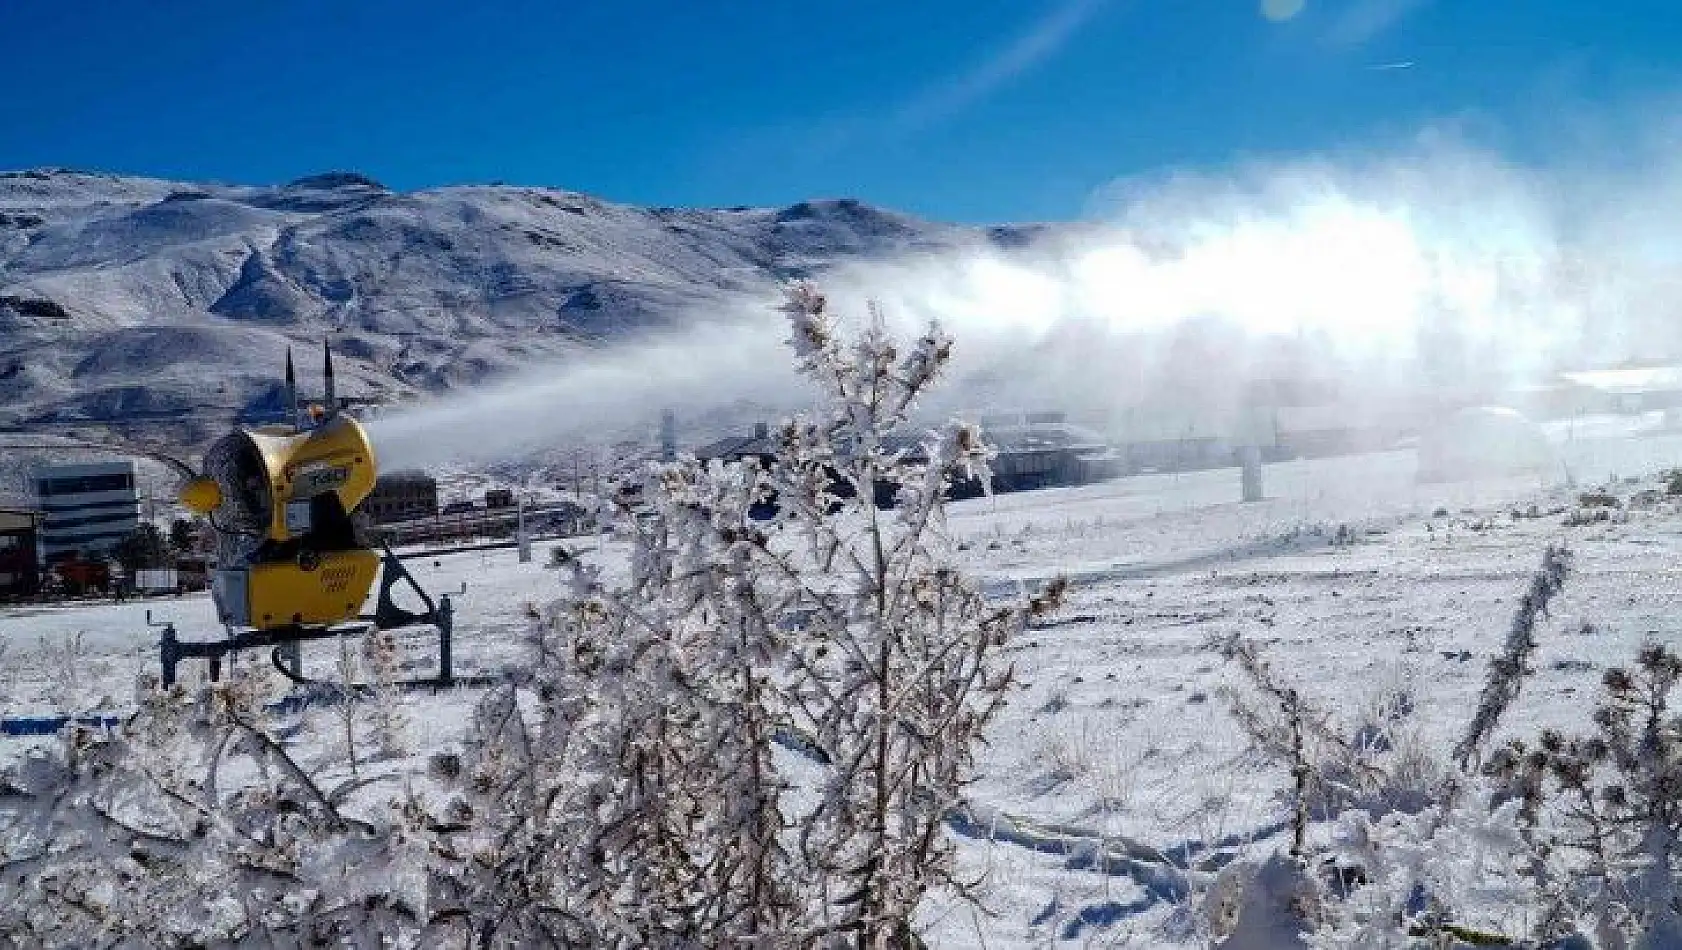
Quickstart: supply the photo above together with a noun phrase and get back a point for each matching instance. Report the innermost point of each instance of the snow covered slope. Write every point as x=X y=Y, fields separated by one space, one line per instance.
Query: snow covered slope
x=127 y=298
x=1115 y=764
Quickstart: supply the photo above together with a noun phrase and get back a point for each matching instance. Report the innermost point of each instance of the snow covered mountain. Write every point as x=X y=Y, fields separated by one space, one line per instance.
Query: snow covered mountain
x=125 y=299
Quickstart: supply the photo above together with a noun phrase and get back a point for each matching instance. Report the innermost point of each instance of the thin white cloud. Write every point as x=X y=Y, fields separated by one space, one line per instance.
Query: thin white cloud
x=1365 y=19
x=951 y=96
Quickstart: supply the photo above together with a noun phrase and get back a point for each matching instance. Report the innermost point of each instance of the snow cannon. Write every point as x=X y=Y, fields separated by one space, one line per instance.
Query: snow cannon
x=281 y=502
x=291 y=563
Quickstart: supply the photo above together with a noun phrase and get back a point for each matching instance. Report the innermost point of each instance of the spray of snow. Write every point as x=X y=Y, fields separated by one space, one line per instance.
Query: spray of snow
x=1438 y=268
x=612 y=391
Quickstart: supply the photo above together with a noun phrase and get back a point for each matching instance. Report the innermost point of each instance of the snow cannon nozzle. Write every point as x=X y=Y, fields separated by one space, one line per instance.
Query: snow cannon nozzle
x=291 y=388
x=330 y=398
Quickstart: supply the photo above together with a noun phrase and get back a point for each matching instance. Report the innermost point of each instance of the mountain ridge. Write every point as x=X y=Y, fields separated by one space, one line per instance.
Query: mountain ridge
x=129 y=298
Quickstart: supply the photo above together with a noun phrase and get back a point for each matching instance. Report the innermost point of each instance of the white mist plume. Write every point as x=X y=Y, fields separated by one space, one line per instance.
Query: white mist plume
x=601 y=395
x=1439 y=273
x=1435 y=272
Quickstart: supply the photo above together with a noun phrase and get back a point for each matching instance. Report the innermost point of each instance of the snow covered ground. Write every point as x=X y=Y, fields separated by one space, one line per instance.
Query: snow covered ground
x=1118 y=729
x=1354 y=578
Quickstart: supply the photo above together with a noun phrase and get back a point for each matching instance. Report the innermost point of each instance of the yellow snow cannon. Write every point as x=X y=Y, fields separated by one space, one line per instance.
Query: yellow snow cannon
x=291 y=565
x=284 y=499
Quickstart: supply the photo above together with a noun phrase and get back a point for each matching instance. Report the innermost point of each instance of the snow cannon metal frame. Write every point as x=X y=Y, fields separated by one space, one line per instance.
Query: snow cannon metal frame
x=290 y=564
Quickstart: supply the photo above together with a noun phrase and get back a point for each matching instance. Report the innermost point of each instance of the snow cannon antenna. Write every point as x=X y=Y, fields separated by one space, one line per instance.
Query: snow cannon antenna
x=291 y=389
x=330 y=397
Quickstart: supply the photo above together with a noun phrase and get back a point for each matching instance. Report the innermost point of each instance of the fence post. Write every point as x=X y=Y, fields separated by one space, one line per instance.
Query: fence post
x=169 y=651
x=446 y=627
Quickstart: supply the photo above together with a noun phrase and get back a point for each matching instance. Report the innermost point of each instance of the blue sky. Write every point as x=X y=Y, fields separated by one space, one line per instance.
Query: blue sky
x=968 y=110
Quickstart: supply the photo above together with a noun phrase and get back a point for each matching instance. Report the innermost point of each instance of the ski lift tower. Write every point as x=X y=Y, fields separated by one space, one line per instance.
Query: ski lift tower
x=1257 y=422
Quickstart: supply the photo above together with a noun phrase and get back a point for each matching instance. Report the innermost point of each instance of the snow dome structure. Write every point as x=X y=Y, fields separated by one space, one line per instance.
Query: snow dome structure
x=1482 y=442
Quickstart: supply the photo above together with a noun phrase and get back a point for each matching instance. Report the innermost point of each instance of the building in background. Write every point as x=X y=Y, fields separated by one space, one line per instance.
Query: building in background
x=402 y=496
x=87 y=509
x=20 y=566
x=1034 y=450
x=1045 y=450
x=1615 y=390
x=756 y=445
x=1625 y=390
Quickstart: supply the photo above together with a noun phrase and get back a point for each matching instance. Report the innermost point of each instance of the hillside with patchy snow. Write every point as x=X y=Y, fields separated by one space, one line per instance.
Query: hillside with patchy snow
x=124 y=299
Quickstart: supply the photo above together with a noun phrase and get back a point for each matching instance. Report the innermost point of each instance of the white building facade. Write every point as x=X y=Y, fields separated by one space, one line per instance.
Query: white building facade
x=86 y=508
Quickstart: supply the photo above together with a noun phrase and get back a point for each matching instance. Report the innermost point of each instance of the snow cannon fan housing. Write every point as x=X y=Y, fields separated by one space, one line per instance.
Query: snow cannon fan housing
x=281 y=498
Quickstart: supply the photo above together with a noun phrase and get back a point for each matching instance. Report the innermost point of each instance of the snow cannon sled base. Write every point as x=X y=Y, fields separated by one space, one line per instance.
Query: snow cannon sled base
x=286 y=639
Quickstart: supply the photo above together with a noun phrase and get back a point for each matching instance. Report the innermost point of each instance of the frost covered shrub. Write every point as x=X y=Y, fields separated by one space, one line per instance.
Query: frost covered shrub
x=1556 y=842
x=757 y=738
x=1420 y=880
x=1420 y=851
x=197 y=824
x=1449 y=875
x=1371 y=769
x=1507 y=670
x=894 y=675
x=382 y=658
x=1372 y=758
x=1605 y=810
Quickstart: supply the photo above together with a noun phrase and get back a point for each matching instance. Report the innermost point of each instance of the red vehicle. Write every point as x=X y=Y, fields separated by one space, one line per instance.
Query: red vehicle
x=74 y=577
